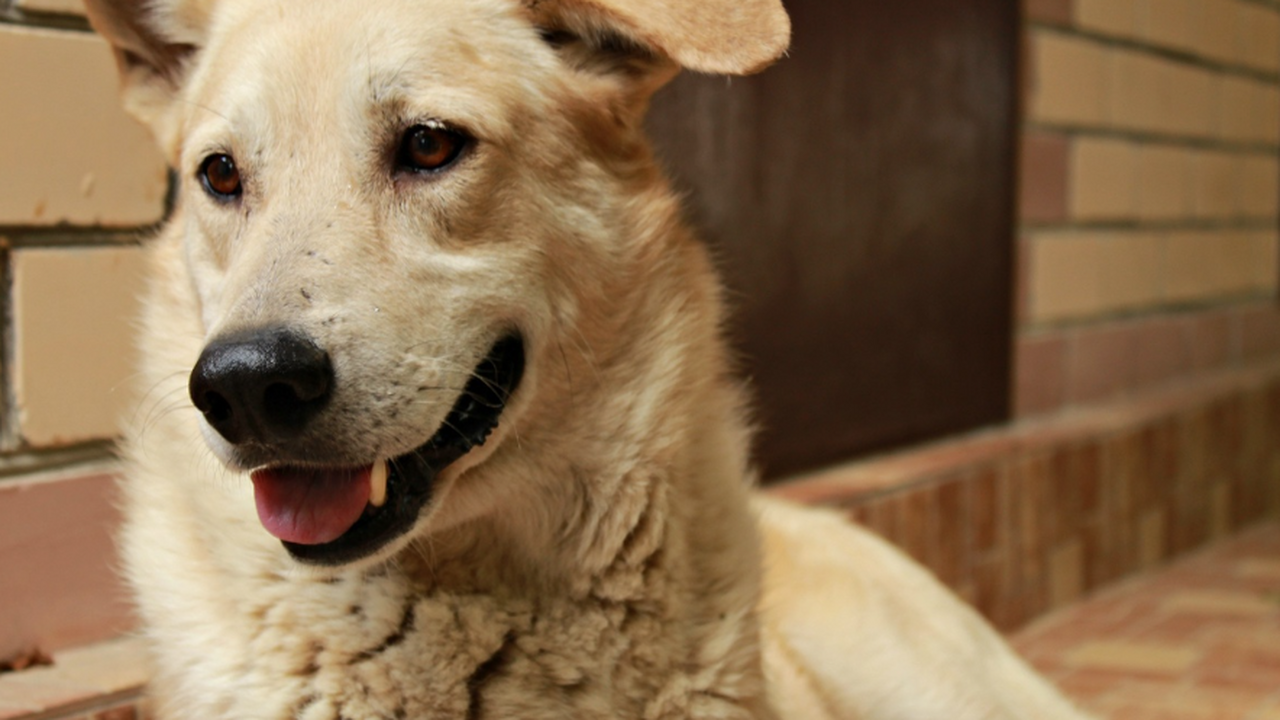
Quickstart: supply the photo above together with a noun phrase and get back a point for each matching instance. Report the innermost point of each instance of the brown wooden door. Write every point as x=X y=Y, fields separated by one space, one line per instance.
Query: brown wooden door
x=859 y=197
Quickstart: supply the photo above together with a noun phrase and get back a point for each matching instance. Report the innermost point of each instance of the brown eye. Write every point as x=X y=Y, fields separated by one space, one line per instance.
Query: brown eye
x=220 y=177
x=428 y=149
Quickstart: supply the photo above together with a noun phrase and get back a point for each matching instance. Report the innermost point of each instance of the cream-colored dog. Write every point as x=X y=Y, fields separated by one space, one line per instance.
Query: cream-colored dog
x=463 y=439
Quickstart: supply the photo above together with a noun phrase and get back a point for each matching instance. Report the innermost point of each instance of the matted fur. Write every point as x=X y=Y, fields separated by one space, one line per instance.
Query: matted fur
x=601 y=555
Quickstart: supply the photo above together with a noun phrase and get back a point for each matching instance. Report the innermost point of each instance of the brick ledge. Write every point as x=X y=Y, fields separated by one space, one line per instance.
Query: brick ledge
x=96 y=682
x=902 y=469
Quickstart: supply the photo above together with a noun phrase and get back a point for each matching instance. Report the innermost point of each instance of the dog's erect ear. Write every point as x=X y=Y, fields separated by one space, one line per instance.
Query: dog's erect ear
x=732 y=37
x=153 y=44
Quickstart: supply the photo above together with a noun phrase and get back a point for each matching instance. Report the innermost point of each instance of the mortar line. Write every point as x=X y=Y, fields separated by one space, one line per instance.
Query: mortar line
x=29 y=461
x=85 y=238
x=1137 y=225
x=1183 y=57
x=17 y=17
x=1152 y=137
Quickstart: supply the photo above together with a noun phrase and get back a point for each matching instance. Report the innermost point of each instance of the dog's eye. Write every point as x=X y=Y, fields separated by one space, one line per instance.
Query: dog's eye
x=220 y=177
x=427 y=149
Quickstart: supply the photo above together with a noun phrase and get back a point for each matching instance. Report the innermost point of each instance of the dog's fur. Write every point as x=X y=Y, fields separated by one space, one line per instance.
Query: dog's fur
x=601 y=555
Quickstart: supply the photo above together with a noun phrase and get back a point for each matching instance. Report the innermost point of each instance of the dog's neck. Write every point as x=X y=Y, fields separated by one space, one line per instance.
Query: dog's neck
x=636 y=412
x=618 y=497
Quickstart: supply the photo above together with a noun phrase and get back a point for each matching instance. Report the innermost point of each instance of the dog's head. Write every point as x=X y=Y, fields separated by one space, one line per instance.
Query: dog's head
x=386 y=207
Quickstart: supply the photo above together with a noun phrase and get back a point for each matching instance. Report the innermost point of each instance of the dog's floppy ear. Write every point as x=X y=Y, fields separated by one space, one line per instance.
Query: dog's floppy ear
x=153 y=44
x=732 y=37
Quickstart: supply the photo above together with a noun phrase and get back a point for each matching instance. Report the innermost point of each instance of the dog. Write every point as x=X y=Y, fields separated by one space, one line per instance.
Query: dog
x=438 y=418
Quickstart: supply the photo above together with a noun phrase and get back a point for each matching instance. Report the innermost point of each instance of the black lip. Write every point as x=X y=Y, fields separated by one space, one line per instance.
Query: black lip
x=411 y=477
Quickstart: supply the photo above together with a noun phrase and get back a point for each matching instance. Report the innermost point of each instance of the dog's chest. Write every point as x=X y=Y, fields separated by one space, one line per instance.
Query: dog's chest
x=382 y=651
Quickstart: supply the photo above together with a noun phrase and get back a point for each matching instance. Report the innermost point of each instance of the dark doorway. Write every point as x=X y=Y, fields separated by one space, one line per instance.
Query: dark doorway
x=859 y=198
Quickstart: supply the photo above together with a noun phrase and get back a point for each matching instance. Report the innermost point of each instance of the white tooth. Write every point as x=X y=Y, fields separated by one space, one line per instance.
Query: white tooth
x=378 y=484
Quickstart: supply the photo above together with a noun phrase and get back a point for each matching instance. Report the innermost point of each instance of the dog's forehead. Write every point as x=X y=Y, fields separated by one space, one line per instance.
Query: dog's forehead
x=310 y=62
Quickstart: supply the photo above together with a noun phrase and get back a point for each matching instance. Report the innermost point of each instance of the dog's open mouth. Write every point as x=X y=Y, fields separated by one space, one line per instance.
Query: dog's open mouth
x=332 y=516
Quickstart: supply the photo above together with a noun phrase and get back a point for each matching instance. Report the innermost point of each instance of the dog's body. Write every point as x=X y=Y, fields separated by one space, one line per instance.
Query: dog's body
x=414 y=195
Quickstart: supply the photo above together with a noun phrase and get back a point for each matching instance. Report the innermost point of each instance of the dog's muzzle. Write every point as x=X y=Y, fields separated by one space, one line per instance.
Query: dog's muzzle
x=264 y=388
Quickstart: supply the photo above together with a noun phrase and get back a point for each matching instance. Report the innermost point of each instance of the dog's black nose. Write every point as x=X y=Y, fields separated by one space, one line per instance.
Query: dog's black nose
x=261 y=386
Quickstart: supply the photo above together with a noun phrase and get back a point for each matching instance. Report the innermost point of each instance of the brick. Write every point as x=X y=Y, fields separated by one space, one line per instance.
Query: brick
x=953 y=518
x=988 y=514
x=1250 y=111
x=42 y=688
x=1220 y=603
x=1260 y=332
x=1039 y=374
x=1111 y=17
x=81 y=676
x=1263 y=261
x=66 y=7
x=1131 y=656
x=1205 y=265
x=1058 y=12
x=1171 y=23
x=1163 y=351
x=1086 y=469
x=1064 y=277
x=57 y=564
x=1072 y=79
x=15 y=711
x=1165 y=183
x=1237 y=106
x=73 y=314
x=83 y=160
x=1129 y=271
x=113 y=666
x=1104 y=179
x=1259 y=569
x=1066 y=574
x=1259 y=36
x=1259 y=181
x=1154 y=94
x=920 y=525
x=884 y=517
x=1267 y=122
x=1102 y=362
x=1193 y=95
x=1220 y=524
x=1217 y=30
x=1152 y=538
x=1189 y=261
x=1063 y=510
x=1028 y=503
x=1212 y=340
x=1043 y=177
x=1248 y=262
x=1121 y=462
x=1216 y=184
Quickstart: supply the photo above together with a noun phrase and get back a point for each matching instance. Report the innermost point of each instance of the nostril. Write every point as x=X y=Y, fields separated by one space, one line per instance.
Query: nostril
x=281 y=395
x=215 y=408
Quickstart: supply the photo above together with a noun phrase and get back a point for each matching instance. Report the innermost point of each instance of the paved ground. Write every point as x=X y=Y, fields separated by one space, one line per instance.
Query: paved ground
x=1199 y=640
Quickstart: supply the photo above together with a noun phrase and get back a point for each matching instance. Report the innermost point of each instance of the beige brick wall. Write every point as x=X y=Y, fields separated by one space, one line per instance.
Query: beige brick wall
x=78 y=180
x=1150 y=190
x=83 y=161
x=79 y=177
x=72 y=311
x=66 y=7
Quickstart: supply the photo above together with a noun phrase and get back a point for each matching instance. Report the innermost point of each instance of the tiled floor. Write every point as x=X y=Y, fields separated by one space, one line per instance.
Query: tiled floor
x=1199 y=640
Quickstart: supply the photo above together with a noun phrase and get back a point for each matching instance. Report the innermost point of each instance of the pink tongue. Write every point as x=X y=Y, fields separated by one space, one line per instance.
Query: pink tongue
x=307 y=506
